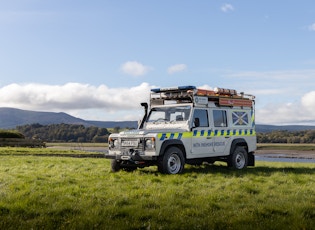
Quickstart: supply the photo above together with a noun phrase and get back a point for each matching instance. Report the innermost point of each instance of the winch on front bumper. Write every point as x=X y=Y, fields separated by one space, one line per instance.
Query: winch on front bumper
x=134 y=150
x=130 y=155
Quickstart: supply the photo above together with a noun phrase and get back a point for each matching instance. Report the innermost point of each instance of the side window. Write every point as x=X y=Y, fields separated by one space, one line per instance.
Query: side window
x=219 y=118
x=200 y=118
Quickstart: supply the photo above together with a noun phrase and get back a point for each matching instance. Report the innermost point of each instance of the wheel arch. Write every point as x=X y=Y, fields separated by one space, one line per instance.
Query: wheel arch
x=169 y=143
x=238 y=142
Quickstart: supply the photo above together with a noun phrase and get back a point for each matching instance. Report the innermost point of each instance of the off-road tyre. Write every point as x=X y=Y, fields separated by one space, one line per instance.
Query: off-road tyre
x=115 y=165
x=128 y=169
x=172 y=162
x=238 y=159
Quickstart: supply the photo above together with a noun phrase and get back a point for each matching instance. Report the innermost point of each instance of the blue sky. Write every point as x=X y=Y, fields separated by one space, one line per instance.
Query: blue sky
x=98 y=59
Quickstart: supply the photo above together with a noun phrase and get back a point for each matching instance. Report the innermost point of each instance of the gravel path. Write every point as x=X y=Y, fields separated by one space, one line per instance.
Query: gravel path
x=262 y=153
x=286 y=154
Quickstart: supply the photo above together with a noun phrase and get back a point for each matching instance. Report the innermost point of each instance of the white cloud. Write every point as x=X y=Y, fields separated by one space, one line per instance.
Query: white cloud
x=312 y=27
x=308 y=101
x=176 y=68
x=227 y=7
x=105 y=103
x=76 y=99
x=302 y=111
x=134 y=68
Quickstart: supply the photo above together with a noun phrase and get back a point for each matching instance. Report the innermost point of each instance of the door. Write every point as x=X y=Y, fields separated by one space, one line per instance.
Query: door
x=221 y=133
x=202 y=136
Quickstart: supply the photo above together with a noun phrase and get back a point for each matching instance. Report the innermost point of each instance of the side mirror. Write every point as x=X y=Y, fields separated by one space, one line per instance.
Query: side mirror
x=196 y=122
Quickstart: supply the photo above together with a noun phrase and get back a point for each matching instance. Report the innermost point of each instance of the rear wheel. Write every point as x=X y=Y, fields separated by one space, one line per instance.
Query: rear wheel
x=239 y=158
x=172 y=162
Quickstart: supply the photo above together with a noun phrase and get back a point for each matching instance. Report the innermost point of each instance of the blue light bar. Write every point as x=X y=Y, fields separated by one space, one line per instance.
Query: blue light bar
x=160 y=90
x=187 y=87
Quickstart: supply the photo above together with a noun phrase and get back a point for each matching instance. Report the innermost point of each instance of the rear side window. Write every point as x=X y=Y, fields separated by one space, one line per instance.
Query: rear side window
x=219 y=118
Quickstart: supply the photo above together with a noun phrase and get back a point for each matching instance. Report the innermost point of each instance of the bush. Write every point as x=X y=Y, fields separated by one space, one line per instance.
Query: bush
x=10 y=134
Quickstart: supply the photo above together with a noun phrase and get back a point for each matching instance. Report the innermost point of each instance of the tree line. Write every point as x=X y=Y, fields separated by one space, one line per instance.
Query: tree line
x=290 y=137
x=80 y=133
x=64 y=133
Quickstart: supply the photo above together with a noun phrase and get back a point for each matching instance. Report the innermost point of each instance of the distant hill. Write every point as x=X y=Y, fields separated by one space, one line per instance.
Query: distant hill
x=10 y=118
x=113 y=124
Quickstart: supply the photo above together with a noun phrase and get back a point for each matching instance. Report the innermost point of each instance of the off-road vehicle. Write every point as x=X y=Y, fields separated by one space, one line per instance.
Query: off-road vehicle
x=186 y=125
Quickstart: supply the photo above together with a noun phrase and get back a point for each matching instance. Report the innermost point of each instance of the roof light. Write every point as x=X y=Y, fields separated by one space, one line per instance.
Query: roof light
x=159 y=90
x=156 y=90
x=187 y=87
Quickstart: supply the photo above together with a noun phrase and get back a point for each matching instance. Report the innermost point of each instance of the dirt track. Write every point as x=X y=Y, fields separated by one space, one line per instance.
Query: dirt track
x=286 y=154
x=262 y=153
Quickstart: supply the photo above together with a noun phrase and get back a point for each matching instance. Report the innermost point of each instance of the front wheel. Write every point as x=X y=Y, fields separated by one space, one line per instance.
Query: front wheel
x=172 y=162
x=115 y=165
x=238 y=159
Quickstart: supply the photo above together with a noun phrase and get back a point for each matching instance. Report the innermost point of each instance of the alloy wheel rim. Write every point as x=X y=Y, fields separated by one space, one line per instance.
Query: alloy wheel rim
x=174 y=164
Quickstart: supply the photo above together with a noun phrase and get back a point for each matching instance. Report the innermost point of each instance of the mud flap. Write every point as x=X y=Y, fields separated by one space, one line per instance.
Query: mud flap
x=251 y=159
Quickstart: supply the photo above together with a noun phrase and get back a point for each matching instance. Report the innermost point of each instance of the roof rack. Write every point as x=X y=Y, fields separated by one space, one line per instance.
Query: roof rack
x=192 y=94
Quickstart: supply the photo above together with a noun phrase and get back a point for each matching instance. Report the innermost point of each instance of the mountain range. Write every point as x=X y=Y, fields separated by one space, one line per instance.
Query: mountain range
x=11 y=117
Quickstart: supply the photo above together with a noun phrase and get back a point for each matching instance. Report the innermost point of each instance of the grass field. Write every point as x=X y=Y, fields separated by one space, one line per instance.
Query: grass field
x=51 y=189
x=76 y=145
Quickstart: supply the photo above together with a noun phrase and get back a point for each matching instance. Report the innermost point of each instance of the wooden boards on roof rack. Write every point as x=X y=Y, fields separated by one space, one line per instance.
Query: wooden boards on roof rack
x=225 y=97
x=245 y=102
x=185 y=94
x=216 y=92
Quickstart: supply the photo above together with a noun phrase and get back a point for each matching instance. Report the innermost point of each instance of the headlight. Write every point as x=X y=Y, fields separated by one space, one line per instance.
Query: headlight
x=113 y=143
x=150 y=143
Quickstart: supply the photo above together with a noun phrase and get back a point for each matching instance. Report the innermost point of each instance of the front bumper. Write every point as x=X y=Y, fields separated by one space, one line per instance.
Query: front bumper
x=131 y=155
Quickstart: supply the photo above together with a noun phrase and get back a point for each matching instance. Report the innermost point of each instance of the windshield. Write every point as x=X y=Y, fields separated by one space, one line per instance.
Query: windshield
x=169 y=114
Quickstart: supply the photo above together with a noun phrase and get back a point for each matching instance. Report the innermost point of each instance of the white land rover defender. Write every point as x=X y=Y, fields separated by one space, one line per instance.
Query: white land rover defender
x=186 y=125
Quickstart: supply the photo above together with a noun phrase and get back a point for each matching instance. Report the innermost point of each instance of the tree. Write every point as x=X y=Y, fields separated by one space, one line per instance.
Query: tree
x=64 y=132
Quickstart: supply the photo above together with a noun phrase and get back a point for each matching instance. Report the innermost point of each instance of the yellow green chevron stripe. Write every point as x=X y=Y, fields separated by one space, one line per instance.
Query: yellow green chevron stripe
x=206 y=133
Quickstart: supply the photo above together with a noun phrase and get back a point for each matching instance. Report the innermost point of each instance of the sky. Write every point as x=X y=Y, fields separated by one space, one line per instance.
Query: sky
x=98 y=59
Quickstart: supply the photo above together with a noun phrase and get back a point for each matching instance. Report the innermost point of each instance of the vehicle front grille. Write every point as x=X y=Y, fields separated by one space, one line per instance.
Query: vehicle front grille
x=139 y=147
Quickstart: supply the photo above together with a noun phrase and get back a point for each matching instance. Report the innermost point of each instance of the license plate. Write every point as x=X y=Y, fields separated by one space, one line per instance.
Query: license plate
x=129 y=143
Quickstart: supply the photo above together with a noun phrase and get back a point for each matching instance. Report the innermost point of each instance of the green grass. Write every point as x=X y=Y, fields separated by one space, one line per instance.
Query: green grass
x=58 y=192
x=76 y=145
x=68 y=152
